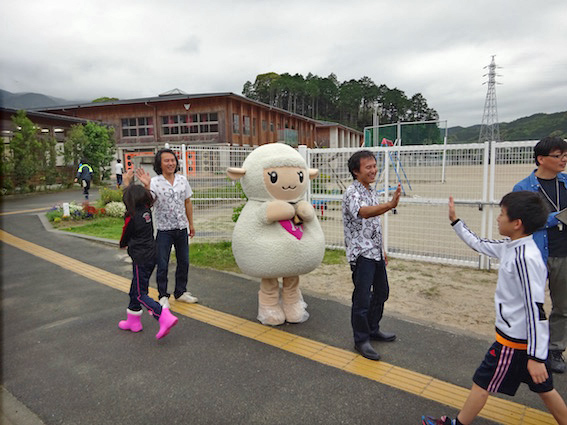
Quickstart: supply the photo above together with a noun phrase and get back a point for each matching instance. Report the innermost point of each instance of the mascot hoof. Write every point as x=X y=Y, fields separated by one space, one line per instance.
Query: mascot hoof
x=296 y=313
x=270 y=315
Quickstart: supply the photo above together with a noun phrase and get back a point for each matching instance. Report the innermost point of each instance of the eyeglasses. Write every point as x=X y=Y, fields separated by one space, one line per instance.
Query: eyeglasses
x=561 y=156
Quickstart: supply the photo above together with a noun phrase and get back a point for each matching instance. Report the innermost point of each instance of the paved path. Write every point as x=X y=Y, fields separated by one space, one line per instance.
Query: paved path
x=64 y=361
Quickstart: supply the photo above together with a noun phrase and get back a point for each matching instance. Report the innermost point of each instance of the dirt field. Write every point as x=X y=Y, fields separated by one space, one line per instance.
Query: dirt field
x=448 y=297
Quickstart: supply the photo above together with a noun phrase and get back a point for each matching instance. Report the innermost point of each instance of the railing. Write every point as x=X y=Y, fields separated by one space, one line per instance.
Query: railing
x=476 y=175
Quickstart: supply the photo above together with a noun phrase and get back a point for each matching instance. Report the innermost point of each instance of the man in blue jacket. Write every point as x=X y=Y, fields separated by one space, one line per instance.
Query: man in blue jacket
x=85 y=174
x=550 y=182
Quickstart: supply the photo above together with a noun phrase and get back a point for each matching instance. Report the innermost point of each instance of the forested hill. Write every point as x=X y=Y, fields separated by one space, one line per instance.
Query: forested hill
x=351 y=103
x=533 y=127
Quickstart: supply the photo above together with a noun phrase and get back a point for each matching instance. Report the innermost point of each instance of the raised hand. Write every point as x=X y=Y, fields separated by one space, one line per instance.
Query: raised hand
x=144 y=177
x=452 y=213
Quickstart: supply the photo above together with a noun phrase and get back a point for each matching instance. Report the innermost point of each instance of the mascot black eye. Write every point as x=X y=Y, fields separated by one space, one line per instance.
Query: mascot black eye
x=300 y=173
x=273 y=176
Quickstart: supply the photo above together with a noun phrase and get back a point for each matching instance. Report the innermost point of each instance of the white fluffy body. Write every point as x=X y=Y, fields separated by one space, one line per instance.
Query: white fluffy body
x=263 y=249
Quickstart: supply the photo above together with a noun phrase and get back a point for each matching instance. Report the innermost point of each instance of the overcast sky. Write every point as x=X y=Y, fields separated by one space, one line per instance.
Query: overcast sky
x=81 y=50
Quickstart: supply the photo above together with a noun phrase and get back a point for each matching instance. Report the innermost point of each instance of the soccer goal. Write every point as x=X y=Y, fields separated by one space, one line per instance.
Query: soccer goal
x=400 y=146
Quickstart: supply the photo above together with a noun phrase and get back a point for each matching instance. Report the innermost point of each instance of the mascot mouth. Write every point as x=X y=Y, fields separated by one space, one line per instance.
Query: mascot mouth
x=289 y=188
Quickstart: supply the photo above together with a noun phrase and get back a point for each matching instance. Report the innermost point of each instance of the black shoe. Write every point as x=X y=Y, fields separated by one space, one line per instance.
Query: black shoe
x=366 y=350
x=383 y=336
x=556 y=361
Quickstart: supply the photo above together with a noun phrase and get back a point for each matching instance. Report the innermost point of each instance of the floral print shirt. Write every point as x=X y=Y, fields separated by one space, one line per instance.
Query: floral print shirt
x=169 y=206
x=363 y=236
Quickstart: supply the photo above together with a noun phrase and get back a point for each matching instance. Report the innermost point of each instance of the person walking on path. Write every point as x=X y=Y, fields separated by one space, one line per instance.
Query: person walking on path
x=138 y=237
x=118 y=170
x=365 y=253
x=522 y=329
x=550 y=155
x=85 y=175
x=174 y=222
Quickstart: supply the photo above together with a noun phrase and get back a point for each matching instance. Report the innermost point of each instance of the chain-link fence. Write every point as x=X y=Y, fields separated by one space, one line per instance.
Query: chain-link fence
x=476 y=175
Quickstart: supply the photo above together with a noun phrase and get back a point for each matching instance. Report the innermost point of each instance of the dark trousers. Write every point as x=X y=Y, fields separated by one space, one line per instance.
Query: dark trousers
x=371 y=291
x=139 y=289
x=165 y=239
x=86 y=187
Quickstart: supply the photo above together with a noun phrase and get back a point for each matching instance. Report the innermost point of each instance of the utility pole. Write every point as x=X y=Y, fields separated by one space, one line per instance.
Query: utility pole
x=489 y=129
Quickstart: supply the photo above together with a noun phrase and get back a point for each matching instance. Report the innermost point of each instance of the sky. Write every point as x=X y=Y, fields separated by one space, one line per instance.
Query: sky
x=85 y=49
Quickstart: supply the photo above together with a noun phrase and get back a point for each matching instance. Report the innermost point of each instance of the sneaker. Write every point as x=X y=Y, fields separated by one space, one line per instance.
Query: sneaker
x=443 y=420
x=164 y=301
x=186 y=297
x=556 y=361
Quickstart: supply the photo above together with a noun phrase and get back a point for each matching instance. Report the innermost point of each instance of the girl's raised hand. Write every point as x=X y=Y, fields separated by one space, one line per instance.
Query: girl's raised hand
x=128 y=177
x=144 y=177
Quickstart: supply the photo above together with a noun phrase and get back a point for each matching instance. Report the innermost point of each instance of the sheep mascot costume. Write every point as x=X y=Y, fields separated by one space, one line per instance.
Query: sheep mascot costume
x=277 y=233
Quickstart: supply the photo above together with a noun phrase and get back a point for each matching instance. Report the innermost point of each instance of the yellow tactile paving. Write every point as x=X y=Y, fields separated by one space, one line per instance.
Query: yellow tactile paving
x=23 y=211
x=496 y=409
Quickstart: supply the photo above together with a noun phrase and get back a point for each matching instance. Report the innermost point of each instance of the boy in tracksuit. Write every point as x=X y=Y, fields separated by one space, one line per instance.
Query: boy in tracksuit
x=522 y=329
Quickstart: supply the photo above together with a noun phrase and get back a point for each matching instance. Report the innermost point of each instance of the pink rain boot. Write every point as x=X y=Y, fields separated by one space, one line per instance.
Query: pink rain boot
x=133 y=322
x=166 y=322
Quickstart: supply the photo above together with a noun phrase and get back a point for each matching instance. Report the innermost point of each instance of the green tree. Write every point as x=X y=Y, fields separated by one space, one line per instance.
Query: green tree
x=104 y=99
x=93 y=142
x=25 y=150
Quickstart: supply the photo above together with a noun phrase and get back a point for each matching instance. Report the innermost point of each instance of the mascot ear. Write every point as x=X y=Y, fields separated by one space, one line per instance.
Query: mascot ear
x=313 y=172
x=235 y=173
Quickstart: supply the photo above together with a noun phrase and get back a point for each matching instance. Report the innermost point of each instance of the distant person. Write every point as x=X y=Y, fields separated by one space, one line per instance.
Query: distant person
x=365 y=252
x=550 y=155
x=85 y=175
x=522 y=329
x=138 y=236
x=118 y=170
x=174 y=222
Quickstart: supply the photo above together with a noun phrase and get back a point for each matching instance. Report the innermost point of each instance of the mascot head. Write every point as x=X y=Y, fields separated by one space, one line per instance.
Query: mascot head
x=274 y=171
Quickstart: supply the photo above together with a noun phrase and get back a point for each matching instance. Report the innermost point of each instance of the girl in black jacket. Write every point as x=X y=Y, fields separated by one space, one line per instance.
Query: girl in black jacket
x=138 y=236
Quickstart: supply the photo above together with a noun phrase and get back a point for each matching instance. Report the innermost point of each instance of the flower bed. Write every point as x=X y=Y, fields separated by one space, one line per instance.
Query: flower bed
x=76 y=212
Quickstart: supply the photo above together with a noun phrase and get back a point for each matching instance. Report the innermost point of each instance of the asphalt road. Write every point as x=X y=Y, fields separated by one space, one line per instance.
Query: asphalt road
x=64 y=360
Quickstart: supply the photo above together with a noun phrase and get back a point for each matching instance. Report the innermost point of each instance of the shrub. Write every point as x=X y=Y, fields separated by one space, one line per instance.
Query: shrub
x=115 y=209
x=54 y=213
x=110 y=195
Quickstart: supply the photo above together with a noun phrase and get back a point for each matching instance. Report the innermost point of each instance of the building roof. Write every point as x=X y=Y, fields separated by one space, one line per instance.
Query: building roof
x=43 y=116
x=177 y=94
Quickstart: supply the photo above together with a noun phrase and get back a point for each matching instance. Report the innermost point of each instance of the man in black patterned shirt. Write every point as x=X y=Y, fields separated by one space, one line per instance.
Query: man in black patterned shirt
x=365 y=254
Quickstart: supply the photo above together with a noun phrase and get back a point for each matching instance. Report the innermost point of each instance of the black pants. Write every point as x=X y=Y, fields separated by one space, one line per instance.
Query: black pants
x=371 y=291
x=86 y=187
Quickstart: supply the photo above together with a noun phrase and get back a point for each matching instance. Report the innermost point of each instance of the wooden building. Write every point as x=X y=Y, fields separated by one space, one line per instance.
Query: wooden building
x=210 y=119
x=54 y=126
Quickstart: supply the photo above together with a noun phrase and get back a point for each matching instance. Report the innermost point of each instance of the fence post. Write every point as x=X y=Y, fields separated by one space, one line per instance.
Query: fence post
x=484 y=262
x=184 y=160
x=304 y=151
x=386 y=193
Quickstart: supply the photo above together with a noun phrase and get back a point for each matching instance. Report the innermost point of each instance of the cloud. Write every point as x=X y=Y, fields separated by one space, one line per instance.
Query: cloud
x=438 y=48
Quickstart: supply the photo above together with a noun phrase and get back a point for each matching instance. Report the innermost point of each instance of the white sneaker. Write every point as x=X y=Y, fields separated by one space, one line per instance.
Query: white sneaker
x=164 y=301
x=187 y=298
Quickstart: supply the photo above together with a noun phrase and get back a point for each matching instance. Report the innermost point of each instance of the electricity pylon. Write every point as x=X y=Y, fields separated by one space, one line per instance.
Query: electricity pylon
x=489 y=129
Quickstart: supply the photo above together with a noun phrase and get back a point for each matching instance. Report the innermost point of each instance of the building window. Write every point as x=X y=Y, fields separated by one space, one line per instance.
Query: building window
x=137 y=127
x=272 y=126
x=264 y=125
x=235 y=123
x=204 y=122
x=254 y=123
x=246 y=125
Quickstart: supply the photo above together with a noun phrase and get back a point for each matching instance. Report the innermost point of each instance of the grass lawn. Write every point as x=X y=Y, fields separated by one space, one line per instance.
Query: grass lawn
x=216 y=255
x=105 y=227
